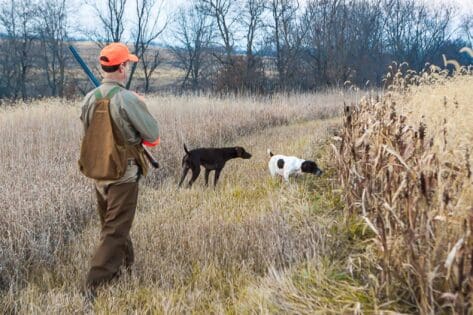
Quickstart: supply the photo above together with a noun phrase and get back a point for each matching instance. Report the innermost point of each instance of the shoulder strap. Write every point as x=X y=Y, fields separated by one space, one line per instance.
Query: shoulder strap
x=110 y=94
x=98 y=94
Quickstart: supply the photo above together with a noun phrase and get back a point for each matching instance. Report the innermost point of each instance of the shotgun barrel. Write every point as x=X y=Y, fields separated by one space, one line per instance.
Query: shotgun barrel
x=96 y=83
x=84 y=67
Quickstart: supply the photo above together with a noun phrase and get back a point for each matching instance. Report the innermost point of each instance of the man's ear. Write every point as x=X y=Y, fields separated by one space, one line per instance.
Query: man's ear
x=123 y=67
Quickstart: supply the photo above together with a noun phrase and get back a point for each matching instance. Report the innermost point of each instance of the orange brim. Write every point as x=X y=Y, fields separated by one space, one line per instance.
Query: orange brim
x=133 y=58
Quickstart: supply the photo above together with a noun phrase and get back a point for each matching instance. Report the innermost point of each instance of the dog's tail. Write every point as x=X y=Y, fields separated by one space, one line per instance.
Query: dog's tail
x=186 y=158
x=270 y=153
x=185 y=149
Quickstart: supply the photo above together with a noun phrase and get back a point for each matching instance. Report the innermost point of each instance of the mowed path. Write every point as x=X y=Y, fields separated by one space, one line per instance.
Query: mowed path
x=198 y=249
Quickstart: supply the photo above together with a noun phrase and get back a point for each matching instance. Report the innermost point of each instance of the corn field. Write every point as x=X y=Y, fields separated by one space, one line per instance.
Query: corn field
x=413 y=189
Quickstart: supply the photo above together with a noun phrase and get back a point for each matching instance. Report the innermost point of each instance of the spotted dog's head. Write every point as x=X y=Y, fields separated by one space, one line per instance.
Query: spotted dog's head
x=311 y=167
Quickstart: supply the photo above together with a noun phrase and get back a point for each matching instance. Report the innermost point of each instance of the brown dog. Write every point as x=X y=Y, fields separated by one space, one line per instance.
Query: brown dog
x=212 y=159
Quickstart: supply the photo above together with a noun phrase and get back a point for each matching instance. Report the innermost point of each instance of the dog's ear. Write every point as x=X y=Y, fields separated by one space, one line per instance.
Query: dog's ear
x=304 y=167
x=309 y=167
x=239 y=151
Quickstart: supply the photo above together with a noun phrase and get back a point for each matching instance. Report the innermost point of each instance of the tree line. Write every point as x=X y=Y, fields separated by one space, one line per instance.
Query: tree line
x=230 y=46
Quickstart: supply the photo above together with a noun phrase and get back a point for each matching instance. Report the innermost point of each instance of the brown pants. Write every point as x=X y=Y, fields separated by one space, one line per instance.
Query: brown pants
x=115 y=250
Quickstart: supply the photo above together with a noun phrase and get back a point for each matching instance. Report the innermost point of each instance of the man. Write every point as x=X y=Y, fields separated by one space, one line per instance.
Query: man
x=117 y=198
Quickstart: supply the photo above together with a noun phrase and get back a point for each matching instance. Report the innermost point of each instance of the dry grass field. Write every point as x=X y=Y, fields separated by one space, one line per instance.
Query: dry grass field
x=197 y=250
x=387 y=229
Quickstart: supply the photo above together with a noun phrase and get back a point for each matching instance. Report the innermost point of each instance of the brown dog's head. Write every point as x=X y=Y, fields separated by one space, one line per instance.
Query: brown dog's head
x=242 y=153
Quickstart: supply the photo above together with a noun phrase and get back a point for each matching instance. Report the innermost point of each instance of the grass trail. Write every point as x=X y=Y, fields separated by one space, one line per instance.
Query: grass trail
x=229 y=250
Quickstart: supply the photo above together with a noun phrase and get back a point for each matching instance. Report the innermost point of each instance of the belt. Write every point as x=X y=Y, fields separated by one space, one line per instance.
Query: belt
x=132 y=162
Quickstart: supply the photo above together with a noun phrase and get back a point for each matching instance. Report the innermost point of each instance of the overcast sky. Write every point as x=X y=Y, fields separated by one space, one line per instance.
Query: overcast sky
x=464 y=3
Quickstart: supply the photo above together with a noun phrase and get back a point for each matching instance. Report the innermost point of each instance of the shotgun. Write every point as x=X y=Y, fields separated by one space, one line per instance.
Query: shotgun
x=96 y=83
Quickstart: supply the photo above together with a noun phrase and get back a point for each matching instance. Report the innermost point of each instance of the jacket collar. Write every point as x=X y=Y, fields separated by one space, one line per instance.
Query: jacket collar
x=112 y=81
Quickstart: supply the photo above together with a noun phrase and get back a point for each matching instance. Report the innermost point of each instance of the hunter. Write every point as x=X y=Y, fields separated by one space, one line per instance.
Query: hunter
x=116 y=124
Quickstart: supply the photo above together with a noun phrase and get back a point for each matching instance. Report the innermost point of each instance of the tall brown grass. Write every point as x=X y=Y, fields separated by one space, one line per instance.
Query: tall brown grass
x=405 y=166
x=47 y=204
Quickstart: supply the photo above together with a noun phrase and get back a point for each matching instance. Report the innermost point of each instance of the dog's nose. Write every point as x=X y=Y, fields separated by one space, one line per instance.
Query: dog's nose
x=319 y=172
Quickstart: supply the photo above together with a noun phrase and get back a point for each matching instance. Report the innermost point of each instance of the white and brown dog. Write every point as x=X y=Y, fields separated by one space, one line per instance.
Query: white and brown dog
x=287 y=166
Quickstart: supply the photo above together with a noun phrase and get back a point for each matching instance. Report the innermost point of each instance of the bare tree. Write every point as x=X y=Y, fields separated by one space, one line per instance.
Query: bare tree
x=16 y=19
x=344 y=41
x=149 y=26
x=414 y=32
x=150 y=61
x=8 y=68
x=287 y=37
x=112 y=21
x=365 y=36
x=320 y=18
x=52 y=26
x=193 y=32
x=223 y=13
x=229 y=76
x=252 y=20
x=467 y=28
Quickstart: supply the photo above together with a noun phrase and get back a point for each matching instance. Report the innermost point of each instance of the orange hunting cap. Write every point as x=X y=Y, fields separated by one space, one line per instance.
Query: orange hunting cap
x=116 y=54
